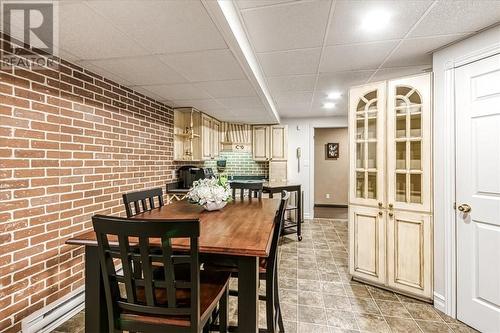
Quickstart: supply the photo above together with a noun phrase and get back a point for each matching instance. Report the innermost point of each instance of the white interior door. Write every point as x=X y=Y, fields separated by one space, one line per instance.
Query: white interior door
x=478 y=186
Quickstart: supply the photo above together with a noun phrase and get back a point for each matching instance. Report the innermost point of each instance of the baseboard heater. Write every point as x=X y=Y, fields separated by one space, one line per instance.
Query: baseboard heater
x=50 y=317
x=53 y=315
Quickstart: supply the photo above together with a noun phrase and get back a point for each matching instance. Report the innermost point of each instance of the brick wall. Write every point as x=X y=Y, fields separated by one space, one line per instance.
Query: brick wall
x=240 y=164
x=71 y=142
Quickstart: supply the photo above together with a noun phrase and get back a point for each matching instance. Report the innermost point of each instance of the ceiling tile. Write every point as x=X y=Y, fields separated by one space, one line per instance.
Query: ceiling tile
x=290 y=62
x=291 y=83
x=163 y=26
x=142 y=70
x=245 y=4
x=345 y=27
x=396 y=72
x=292 y=26
x=238 y=103
x=355 y=57
x=89 y=36
x=450 y=17
x=293 y=99
x=200 y=104
x=417 y=51
x=227 y=88
x=205 y=65
x=177 y=91
x=341 y=81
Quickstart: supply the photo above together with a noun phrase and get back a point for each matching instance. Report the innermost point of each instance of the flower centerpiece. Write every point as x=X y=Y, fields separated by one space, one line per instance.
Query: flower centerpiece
x=211 y=193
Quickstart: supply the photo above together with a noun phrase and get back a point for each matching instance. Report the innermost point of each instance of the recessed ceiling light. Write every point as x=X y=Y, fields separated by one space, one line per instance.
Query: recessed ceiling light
x=329 y=105
x=375 y=20
x=334 y=95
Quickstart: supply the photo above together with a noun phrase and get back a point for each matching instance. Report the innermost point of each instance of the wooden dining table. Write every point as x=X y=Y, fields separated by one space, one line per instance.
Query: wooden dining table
x=241 y=231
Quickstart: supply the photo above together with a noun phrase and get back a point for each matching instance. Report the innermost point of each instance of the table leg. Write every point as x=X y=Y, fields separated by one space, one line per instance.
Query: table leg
x=299 y=214
x=248 y=294
x=96 y=314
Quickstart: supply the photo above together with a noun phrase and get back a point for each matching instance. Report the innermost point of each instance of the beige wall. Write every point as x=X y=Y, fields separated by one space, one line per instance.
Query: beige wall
x=331 y=176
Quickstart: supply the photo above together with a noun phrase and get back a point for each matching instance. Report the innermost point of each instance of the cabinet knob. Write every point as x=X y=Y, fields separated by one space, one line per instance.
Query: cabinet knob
x=391 y=214
x=380 y=213
x=380 y=204
x=391 y=206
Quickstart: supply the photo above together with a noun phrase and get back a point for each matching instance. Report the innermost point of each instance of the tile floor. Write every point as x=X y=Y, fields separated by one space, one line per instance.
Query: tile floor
x=317 y=294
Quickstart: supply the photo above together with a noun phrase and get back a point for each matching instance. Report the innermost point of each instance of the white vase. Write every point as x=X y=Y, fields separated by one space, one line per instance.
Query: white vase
x=210 y=206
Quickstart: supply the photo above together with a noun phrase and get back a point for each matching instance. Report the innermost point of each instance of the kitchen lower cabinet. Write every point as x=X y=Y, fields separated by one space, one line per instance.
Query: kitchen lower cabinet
x=367 y=248
x=409 y=248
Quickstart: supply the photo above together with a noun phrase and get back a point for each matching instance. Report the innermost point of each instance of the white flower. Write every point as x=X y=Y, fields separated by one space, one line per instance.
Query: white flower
x=209 y=190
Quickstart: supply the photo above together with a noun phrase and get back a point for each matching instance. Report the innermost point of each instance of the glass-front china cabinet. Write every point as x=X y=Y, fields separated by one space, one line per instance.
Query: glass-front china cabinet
x=390 y=218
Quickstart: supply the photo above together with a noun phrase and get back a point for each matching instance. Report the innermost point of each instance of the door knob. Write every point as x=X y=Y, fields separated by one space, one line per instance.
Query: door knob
x=464 y=208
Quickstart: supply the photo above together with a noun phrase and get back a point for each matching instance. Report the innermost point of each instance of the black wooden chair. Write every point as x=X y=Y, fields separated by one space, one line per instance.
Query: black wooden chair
x=268 y=271
x=253 y=189
x=140 y=199
x=146 y=302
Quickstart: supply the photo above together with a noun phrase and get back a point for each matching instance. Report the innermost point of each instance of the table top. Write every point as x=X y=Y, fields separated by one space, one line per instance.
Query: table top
x=242 y=228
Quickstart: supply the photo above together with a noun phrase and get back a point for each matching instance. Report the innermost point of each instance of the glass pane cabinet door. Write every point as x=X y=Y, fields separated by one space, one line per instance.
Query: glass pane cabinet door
x=408 y=143
x=367 y=108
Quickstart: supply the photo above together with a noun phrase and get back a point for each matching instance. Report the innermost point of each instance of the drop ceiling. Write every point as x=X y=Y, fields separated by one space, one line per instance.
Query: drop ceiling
x=177 y=52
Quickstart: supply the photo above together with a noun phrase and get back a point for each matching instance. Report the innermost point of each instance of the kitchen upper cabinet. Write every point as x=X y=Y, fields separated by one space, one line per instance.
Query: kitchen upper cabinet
x=269 y=142
x=210 y=136
x=260 y=142
x=206 y=133
x=216 y=137
x=187 y=134
x=391 y=184
x=196 y=135
x=279 y=147
x=367 y=252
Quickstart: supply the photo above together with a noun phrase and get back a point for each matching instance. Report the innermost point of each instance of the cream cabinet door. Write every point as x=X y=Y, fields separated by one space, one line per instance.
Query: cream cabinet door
x=260 y=142
x=215 y=138
x=409 y=143
x=367 y=145
x=279 y=136
x=409 y=256
x=206 y=133
x=277 y=171
x=367 y=243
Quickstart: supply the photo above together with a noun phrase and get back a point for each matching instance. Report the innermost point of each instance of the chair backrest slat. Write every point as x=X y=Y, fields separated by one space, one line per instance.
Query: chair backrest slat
x=147 y=271
x=127 y=268
x=141 y=198
x=130 y=241
x=168 y=270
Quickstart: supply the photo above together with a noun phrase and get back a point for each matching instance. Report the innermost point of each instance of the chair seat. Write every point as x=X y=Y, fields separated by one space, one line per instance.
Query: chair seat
x=212 y=286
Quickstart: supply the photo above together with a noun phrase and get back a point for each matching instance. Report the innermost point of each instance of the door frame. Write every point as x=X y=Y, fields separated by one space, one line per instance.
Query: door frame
x=444 y=165
x=313 y=159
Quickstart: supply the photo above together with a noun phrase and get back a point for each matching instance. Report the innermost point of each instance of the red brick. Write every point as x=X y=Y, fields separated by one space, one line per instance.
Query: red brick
x=14 y=143
x=29 y=153
x=30 y=192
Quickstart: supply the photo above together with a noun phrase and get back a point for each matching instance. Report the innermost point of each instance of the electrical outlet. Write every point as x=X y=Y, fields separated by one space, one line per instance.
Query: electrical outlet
x=328 y=195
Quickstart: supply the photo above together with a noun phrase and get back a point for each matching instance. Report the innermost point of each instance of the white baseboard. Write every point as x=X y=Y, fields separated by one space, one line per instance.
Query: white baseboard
x=439 y=302
x=54 y=314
